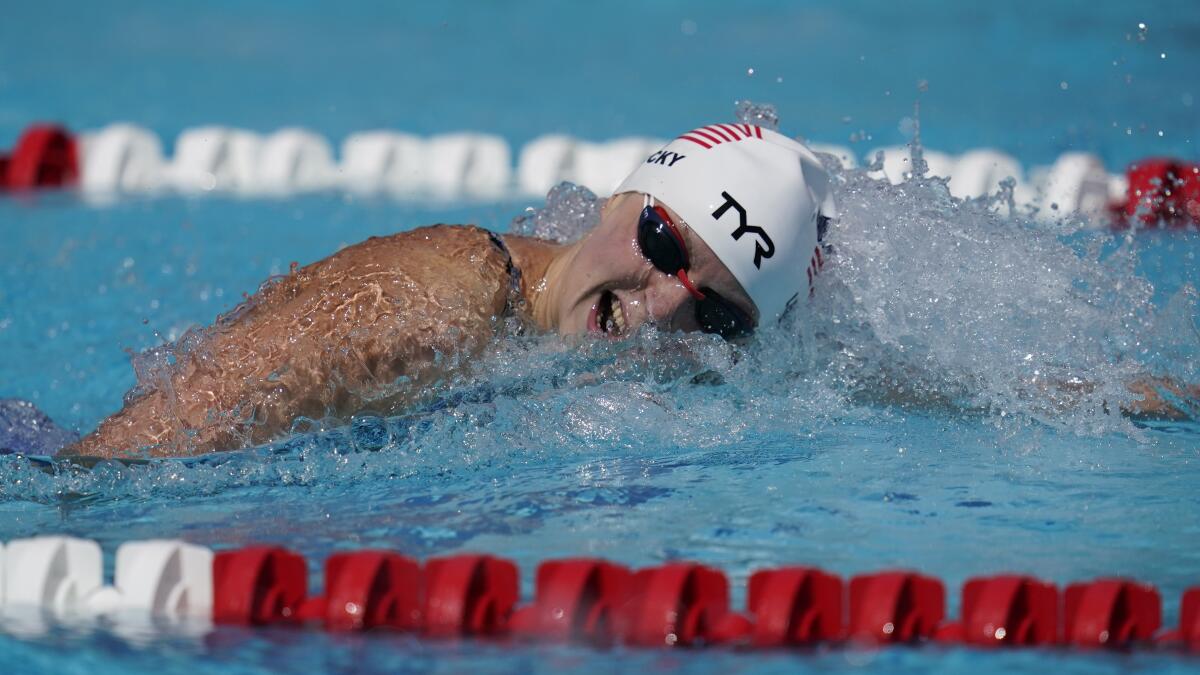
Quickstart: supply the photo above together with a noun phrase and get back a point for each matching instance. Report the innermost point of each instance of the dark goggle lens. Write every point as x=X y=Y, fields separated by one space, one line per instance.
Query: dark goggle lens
x=717 y=315
x=658 y=244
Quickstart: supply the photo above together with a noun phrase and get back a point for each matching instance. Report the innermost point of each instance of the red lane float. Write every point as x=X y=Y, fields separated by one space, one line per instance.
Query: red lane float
x=1163 y=190
x=45 y=156
x=675 y=604
x=794 y=606
x=258 y=585
x=368 y=589
x=575 y=601
x=469 y=595
x=1189 y=619
x=1006 y=610
x=889 y=607
x=1111 y=613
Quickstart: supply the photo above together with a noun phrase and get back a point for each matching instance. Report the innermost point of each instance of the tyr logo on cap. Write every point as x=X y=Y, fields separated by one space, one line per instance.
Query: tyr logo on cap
x=764 y=248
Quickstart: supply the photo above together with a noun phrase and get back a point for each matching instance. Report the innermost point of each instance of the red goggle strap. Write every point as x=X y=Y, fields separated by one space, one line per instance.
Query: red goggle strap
x=681 y=274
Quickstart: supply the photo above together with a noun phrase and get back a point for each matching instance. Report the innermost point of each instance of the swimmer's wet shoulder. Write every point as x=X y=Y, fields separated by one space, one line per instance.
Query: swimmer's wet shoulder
x=334 y=337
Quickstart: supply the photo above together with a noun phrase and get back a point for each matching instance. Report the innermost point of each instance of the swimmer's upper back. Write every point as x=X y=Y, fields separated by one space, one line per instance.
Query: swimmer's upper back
x=361 y=329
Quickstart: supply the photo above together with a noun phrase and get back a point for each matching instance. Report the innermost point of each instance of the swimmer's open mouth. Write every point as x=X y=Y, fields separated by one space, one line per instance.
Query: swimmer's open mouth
x=610 y=314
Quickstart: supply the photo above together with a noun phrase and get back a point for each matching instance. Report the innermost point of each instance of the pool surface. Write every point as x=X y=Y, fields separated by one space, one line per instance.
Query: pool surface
x=914 y=419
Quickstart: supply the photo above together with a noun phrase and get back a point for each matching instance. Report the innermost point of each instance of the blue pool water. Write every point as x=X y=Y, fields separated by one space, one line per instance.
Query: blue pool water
x=789 y=455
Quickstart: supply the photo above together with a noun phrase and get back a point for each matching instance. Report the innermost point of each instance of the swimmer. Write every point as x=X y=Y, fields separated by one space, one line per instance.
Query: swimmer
x=718 y=232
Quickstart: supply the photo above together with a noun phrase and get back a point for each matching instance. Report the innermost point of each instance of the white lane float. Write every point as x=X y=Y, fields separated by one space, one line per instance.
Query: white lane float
x=375 y=162
x=1076 y=183
x=468 y=164
x=164 y=578
x=601 y=167
x=53 y=574
x=543 y=162
x=897 y=163
x=979 y=172
x=121 y=158
x=63 y=577
x=295 y=160
x=215 y=158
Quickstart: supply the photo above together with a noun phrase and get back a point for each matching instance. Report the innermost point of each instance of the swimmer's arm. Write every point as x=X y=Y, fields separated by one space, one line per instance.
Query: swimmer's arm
x=1163 y=398
x=365 y=328
x=1160 y=398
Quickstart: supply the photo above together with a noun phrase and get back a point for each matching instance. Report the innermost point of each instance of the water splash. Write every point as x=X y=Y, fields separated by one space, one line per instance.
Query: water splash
x=570 y=211
x=761 y=114
x=928 y=297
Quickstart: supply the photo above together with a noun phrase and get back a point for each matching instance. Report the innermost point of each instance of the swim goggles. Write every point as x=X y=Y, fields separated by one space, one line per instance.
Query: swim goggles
x=663 y=245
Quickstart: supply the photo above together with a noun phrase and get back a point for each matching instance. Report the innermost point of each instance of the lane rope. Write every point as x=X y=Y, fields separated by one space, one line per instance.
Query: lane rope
x=582 y=600
x=123 y=159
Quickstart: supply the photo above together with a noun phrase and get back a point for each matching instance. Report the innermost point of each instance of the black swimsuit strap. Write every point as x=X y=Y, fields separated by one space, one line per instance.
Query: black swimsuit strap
x=516 y=295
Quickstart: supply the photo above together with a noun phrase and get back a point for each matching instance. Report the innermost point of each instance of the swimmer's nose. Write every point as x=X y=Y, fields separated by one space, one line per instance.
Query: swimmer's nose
x=667 y=301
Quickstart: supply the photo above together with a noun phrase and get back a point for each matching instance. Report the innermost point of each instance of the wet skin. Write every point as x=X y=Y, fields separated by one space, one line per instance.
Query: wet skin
x=335 y=337
x=606 y=266
x=367 y=327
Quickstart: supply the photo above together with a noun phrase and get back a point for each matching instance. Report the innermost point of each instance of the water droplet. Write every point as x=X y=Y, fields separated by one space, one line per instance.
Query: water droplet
x=750 y=72
x=761 y=114
x=1063 y=85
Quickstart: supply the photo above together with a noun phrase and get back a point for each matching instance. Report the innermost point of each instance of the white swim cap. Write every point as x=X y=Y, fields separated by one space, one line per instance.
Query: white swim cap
x=754 y=196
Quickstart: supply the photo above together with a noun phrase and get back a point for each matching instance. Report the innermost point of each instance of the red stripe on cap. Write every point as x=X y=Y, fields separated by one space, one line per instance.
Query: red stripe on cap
x=746 y=129
x=758 y=131
x=737 y=135
x=697 y=141
x=710 y=137
x=719 y=132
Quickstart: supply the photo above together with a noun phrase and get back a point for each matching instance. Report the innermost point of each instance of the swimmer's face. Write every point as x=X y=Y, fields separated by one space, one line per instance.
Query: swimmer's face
x=610 y=288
